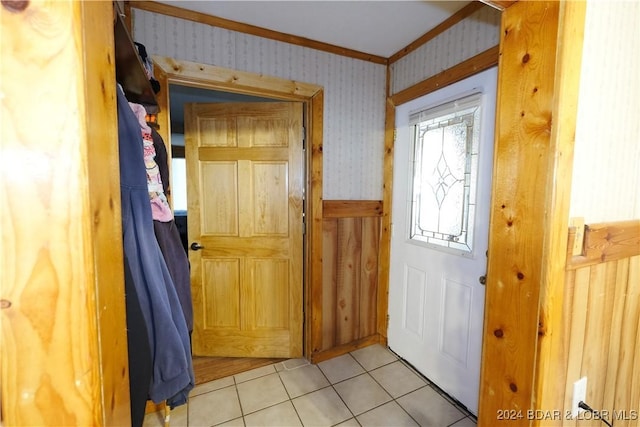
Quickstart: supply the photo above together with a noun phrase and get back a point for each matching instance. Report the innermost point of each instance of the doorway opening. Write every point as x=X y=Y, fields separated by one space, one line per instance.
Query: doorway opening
x=182 y=82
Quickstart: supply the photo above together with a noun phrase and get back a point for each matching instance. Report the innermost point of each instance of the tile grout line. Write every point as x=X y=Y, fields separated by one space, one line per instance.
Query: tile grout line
x=235 y=386
x=428 y=383
x=464 y=412
x=338 y=394
x=438 y=390
x=284 y=369
x=393 y=399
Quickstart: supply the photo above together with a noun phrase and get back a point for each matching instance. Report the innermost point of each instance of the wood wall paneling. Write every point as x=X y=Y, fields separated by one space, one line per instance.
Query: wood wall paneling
x=351 y=239
x=351 y=208
x=64 y=348
x=368 y=298
x=329 y=284
x=347 y=321
x=608 y=242
x=600 y=338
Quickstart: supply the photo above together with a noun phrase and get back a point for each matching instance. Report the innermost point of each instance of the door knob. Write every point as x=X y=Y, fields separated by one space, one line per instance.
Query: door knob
x=482 y=280
x=195 y=246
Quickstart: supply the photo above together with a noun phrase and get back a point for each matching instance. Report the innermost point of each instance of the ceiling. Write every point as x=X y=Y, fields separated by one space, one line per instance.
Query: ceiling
x=377 y=27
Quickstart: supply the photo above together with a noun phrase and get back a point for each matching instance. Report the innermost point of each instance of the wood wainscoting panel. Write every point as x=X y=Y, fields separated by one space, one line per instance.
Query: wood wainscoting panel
x=607 y=242
x=351 y=208
x=602 y=338
x=351 y=241
x=600 y=332
x=601 y=321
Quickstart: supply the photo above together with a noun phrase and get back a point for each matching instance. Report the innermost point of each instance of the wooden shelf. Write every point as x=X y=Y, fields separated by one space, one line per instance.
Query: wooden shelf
x=130 y=72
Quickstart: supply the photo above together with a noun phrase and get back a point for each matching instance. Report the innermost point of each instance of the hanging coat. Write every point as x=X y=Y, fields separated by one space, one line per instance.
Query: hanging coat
x=172 y=377
x=169 y=239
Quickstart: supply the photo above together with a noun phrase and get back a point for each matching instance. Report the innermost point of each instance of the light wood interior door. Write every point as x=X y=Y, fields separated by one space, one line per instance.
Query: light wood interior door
x=245 y=175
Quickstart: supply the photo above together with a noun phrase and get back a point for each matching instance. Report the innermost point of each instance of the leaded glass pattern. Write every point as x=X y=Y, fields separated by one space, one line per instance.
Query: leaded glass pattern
x=445 y=164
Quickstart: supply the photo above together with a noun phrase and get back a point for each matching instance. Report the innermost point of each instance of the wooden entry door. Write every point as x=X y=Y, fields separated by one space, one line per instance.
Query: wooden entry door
x=245 y=180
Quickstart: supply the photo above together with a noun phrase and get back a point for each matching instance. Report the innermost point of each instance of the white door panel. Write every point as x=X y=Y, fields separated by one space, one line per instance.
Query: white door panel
x=454 y=331
x=414 y=291
x=436 y=303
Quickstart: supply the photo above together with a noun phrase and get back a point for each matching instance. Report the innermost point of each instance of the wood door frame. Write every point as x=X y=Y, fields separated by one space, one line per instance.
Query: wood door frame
x=186 y=73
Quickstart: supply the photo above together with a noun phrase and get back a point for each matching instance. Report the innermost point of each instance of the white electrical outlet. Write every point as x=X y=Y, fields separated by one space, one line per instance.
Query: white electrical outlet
x=579 y=395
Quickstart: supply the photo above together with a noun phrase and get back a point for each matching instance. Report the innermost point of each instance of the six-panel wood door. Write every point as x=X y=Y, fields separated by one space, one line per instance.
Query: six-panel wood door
x=245 y=199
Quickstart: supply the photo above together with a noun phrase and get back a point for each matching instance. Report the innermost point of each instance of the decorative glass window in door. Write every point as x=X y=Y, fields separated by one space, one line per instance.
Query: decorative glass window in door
x=445 y=165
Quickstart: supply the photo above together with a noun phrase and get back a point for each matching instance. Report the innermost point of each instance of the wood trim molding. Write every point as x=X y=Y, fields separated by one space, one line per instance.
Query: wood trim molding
x=606 y=242
x=196 y=74
x=351 y=208
x=313 y=323
x=499 y=4
x=346 y=348
x=384 y=258
x=439 y=29
x=177 y=12
x=471 y=66
x=128 y=21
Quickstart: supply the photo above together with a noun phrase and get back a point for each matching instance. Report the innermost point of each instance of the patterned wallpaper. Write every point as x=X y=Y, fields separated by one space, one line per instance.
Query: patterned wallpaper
x=471 y=36
x=354 y=92
x=606 y=173
x=607 y=152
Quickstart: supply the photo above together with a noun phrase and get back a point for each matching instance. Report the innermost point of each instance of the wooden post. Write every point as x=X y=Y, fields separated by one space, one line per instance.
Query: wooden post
x=550 y=361
x=523 y=168
x=64 y=348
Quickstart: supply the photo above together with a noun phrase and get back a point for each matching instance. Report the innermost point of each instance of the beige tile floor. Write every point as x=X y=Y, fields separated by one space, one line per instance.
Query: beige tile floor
x=367 y=387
